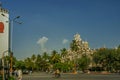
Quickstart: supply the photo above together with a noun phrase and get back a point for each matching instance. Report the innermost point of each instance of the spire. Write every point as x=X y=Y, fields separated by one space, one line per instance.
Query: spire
x=77 y=37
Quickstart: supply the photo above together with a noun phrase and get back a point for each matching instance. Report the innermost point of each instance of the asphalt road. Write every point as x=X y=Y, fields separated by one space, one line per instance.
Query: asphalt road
x=45 y=76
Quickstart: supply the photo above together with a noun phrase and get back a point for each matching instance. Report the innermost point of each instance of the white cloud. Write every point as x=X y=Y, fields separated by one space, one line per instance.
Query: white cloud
x=42 y=42
x=65 y=41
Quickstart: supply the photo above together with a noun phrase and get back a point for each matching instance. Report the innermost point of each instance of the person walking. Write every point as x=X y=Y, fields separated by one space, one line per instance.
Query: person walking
x=19 y=74
x=57 y=73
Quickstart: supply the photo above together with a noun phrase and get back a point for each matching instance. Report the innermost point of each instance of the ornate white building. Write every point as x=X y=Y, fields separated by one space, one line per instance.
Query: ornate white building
x=82 y=49
x=4 y=31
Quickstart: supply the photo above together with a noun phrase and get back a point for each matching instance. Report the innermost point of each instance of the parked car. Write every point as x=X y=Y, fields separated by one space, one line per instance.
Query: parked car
x=25 y=72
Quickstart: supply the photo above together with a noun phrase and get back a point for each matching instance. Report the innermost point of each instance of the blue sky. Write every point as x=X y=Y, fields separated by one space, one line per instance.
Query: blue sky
x=47 y=23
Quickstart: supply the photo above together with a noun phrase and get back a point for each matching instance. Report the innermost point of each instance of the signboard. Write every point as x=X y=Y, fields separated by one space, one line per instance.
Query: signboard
x=1 y=27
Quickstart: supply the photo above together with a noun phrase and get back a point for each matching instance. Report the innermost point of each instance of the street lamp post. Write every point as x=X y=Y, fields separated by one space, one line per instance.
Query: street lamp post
x=10 y=39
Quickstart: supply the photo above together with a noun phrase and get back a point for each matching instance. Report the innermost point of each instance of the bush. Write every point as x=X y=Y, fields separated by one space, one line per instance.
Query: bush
x=11 y=78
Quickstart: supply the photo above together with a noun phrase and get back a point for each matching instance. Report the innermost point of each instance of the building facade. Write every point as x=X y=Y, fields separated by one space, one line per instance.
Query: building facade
x=4 y=31
x=78 y=48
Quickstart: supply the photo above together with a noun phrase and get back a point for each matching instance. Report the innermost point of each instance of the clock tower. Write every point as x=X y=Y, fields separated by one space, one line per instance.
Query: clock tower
x=4 y=31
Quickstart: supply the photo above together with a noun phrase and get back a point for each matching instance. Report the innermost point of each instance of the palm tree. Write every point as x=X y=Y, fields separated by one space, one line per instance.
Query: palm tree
x=45 y=56
x=33 y=59
x=28 y=63
x=63 y=52
x=55 y=57
x=38 y=62
x=63 y=55
x=45 y=60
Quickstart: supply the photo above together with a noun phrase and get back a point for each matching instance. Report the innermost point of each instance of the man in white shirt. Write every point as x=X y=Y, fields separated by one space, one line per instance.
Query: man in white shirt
x=19 y=74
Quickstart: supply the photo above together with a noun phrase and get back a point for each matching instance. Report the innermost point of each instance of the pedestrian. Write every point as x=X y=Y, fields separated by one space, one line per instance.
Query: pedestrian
x=19 y=74
x=16 y=73
x=30 y=72
x=57 y=73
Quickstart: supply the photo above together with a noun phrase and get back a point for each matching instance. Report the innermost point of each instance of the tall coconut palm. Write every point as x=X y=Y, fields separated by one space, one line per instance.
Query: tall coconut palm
x=38 y=62
x=55 y=57
x=45 y=56
x=45 y=60
x=33 y=59
x=63 y=55
x=28 y=63
x=63 y=52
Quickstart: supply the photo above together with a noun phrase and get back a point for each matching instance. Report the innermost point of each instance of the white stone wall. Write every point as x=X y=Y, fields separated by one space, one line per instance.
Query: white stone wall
x=4 y=36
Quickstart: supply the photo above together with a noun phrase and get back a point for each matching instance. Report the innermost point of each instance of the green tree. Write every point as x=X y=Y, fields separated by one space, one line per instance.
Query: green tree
x=83 y=62
x=28 y=63
x=107 y=58
x=116 y=64
x=45 y=61
x=118 y=46
x=20 y=64
x=63 y=52
x=38 y=62
x=45 y=56
x=7 y=61
x=64 y=67
x=33 y=59
x=74 y=46
x=55 y=57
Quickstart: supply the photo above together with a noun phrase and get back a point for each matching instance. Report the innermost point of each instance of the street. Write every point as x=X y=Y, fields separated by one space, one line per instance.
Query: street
x=48 y=76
